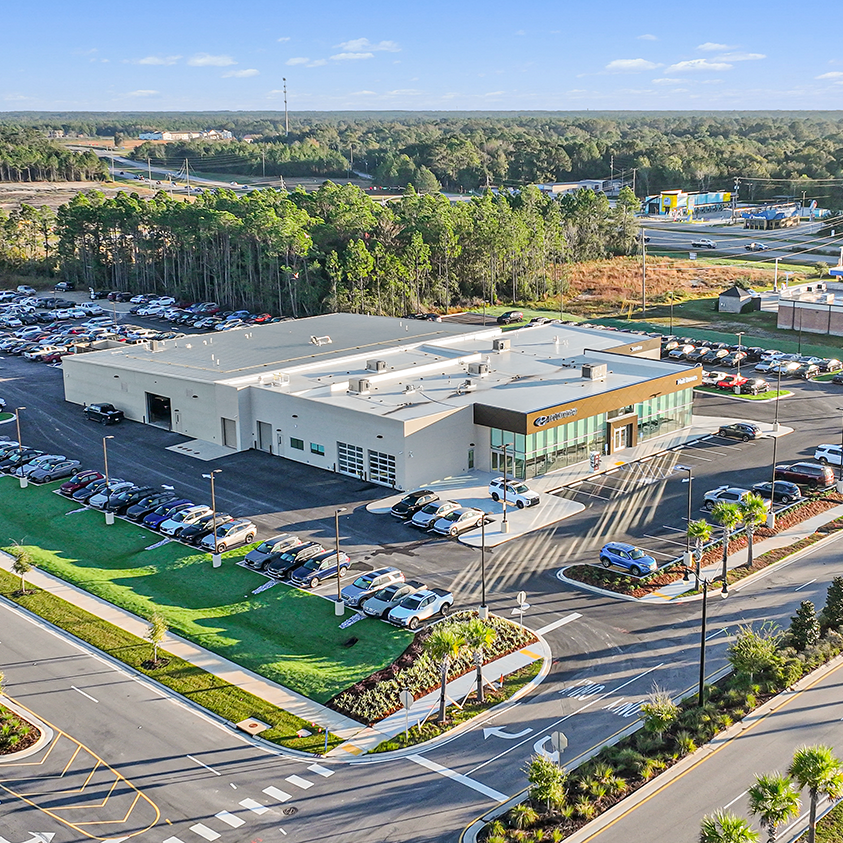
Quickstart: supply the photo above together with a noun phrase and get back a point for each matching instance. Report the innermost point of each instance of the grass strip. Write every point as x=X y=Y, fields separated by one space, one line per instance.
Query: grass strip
x=512 y=683
x=830 y=827
x=203 y=688
x=762 y=396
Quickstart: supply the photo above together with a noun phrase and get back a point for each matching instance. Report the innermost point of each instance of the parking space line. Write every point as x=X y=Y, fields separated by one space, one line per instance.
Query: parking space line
x=663 y=539
x=697 y=457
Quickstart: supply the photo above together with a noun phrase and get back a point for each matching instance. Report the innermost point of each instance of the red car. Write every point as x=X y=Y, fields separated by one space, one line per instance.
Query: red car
x=55 y=357
x=731 y=382
x=83 y=478
x=261 y=318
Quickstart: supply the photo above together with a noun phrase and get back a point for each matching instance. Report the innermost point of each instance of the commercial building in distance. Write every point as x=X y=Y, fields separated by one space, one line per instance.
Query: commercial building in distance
x=399 y=402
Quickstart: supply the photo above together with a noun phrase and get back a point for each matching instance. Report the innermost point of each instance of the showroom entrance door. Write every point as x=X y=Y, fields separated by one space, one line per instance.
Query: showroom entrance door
x=158 y=411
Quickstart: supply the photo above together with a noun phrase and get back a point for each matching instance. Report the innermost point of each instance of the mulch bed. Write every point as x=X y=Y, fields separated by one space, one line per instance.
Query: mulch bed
x=26 y=741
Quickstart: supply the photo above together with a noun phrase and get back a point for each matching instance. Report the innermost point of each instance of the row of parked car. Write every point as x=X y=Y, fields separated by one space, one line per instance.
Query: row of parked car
x=200 y=315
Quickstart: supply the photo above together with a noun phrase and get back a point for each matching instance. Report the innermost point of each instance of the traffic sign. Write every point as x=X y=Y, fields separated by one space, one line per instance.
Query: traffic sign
x=406 y=698
x=558 y=741
x=521 y=598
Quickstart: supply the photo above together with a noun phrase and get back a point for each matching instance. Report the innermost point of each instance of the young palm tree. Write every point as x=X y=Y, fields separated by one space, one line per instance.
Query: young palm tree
x=699 y=532
x=728 y=516
x=819 y=770
x=479 y=636
x=444 y=645
x=725 y=827
x=753 y=514
x=774 y=799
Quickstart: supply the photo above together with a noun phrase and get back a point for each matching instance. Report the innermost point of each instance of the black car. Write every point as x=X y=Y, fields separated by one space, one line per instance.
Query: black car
x=783 y=491
x=122 y=500
x=755 y=386
x=143 y=507
x=65 y=287
x=194 y=533
x=409 y=505
x=103 y=413
x=82 y=495
x=19 y=457
x=510 y=317
x=831 y=364
x=97 y=294
x=838 y=379
x=291 y=559
x=740 y=430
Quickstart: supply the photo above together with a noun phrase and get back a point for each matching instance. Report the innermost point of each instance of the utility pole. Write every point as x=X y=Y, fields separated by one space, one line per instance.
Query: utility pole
x=263 y=162
x=612 y=167
x=634 y=172
x=187 y=172
x=286 y=115
x=149 y=170
x=643 y=274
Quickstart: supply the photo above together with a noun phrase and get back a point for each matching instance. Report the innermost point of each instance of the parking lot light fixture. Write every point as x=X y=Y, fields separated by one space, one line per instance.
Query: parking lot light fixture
x=339 y=606
x=840 y=467
x=483 y=612
x=689 y=480
x=109 y=516
x=215 y=556
x=23 y=480
x=505 y=523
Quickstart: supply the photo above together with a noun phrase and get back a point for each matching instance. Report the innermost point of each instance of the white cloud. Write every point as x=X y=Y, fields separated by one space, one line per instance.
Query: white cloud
x=740 y=57
x=352 y=56
x=364 y=45
x=711 y=47
x=834 y=74
x=15 y=98
x=697 y=65
x=362 y=94
x=494 y=94
x=298 y=60
x=157 y=60
x=451 y=95
x=317 y=63
x=282 y=40
x=241 y=74
x=207 y=60
x=665 y=81
x=647 y=37
x=520 y=32
x=404 y=92
x=143 y=93
x=630 y=65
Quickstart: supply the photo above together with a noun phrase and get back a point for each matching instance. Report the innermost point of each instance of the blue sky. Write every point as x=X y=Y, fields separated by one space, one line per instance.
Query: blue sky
x=563 y=55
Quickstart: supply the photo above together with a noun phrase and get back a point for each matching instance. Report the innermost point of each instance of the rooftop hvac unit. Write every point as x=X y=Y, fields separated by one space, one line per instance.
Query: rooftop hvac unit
x=360 y=386
x=410 y=389
x=376 y=365
x=501 y=344
x=466 y=386
x=156 y=345
x=480 y=368
x=281 y=379
x=595 y=371
x=321 y=340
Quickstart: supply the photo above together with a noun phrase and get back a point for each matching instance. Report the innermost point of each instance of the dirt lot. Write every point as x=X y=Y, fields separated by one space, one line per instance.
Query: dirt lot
x=53 y=194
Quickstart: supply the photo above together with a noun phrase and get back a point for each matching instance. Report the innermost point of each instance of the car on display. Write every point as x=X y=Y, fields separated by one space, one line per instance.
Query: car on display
x=755 y=386
x=410 y=504
x=174 y=525
x=39 y=462
x=680 y=352
x=228 y=535
x=510 y=317
x=714 y=357
x=161 y=513
x=731 y=381
x=811 y=474
x=88 y=490
x=781 y=491
x=756 y=247
x=383 y=601
x=288 y=560
x=101 y=498
x=426 y=516
x=321 y=567
x=367 y=584
x=713 y=378
x=120 y=501
x=7 y=446
x=830 y=364
x=837 y=379
x=458 y=521
x=740 y=430
x=627 y=556
x=143 y=507
x=56 y=471
x=79 y=481
x=703 y=243
x=420 y=606
x=103 y=413
x=19 y=456
x=264 y=553
x=514 y=492
x=196 y=532
x=734 y=358
x=806 y=371
x=726 y=494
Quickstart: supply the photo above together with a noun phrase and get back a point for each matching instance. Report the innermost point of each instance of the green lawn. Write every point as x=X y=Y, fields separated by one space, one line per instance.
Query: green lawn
x=830 y=827
x=762 y=396
x=285 y=634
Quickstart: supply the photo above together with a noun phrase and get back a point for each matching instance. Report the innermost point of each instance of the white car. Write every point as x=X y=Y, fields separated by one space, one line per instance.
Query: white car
x=713 y=378
x=456 y=522
x=703 y=243
x=427 y=515
x=183 y=518
x=236 y=531
x=517 y=493
x=100 y=499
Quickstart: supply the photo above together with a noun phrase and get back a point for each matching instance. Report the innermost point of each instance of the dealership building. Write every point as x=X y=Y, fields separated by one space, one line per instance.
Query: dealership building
x=398 y=402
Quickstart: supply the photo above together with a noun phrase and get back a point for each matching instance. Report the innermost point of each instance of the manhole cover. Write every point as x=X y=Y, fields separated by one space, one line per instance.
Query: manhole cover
x=288 y=812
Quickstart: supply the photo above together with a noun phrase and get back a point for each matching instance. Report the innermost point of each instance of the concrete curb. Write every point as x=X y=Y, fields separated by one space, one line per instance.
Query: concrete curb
x=45 y=737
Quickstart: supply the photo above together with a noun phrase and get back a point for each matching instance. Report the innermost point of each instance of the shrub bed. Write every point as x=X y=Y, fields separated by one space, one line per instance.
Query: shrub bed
x=378 y=695
x=16 y=734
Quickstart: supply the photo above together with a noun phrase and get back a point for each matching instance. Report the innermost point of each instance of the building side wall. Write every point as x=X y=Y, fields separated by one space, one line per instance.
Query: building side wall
x=442 y=449
x=812 y=318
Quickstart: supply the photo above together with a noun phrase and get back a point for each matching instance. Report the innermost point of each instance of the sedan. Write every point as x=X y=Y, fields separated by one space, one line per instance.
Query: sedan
x=56 y=471
x=837 y=379
x=18 y=457
x=431 y=513
x=137 y=511
x=44 y=461
x=263 y=554
x=458 y=521
x=784 y=492
x=410 y=504
x=713 y=378
x=319 y=568
x=628 y=557
x=234 y=532
x=175 y=523
x=382 y=602
x=88 y=490
x=101 y=498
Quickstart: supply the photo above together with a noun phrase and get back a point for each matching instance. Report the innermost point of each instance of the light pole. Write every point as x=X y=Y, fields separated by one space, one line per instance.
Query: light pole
x=505 y=523
x=216 y=559
x=739 y=352
x=724 y=593
x=339 y=606
x=840 y=469
x=483 y=612
x=688 y=557
x=109 y=516
x=771 y=516
x=23 y=481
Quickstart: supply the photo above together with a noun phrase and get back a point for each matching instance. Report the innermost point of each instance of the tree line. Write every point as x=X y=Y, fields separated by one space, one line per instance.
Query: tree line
x=27 y=156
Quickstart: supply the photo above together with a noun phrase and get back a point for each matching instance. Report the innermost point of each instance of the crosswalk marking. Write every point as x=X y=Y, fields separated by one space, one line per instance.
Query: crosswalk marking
x=252 y=806
x=172 y=840
x=204 y=831
x=275 y=793
x=298 y=781
x=230 y=819
x=320 y=770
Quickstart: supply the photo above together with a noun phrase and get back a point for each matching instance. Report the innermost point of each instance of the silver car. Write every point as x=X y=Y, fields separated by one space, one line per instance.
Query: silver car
x=183 y=518
x=238 y=531
x=382 y=602
x=55 y=471
x=367 y=584
x=265 y=551
x=458 y=521
x=427 y=515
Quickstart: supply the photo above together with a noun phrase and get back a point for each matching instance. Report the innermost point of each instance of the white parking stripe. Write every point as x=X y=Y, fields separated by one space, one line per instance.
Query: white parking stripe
x=320 y=770
x=252 y=806
x=230 y=819
x=458 y=777
x=204 y=831
x=298 y=781
x=561 y=622
x=275 y=793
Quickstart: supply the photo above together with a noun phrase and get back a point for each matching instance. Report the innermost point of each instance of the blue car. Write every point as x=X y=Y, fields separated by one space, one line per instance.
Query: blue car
x=627 y=556
x=162 y=513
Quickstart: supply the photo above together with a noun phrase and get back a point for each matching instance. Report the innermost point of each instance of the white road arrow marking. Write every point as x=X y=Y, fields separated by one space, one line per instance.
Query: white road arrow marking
x=538 y=748
x=41 y=837
x=501 y=733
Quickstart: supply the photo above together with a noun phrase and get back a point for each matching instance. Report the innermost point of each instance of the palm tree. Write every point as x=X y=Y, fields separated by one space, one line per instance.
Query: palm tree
x=699 y=532
x=817 y=769
x=22 y=564
x=753 y=513
x=728 y=516
x=444 y=645
x=775 y=800
x=725 y=827
x=479 y=635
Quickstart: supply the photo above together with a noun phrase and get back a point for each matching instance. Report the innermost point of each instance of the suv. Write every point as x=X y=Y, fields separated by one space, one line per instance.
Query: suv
x=806 y=474
x=381 y=603
x=323 y=566
x=740 y=430
x=510 y=317
x=290 y=559
x=828 y=454
x=703 y=243
x=236 y=531
x=623 y=555
x=103 y=413
x=726 y=494
x=367 y=584
x=266 y=551
x=516 y=492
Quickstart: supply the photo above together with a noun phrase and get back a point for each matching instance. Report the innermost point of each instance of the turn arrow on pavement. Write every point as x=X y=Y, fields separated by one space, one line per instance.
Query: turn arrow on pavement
x=35 y=837
x=502 y=733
